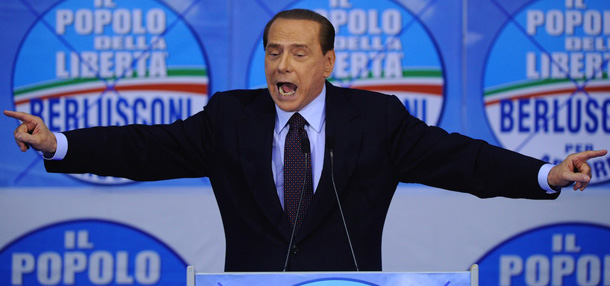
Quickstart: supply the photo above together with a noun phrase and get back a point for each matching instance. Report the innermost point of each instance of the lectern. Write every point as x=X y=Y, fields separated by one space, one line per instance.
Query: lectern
x=457 y=278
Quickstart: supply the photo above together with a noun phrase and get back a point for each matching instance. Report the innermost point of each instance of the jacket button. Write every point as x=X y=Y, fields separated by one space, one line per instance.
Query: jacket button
x=295 y=249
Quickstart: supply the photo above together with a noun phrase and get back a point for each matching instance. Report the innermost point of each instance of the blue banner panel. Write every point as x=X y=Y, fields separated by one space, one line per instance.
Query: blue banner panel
x=89 y=252
x=379 y=46
x=559 y=254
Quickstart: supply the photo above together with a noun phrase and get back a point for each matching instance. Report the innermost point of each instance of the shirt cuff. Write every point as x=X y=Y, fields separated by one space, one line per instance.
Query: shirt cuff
x=543 y=175
x=62 y=148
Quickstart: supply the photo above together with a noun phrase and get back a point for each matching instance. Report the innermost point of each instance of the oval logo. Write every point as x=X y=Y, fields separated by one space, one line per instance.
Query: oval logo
x=546 y=86
x=336 y=282
x=90 y=252
x=109 y=63
x=379 y=46
x=559 y=254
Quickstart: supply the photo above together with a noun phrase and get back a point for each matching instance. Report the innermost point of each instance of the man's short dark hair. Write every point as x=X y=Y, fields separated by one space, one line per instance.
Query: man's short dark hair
x=327 y=31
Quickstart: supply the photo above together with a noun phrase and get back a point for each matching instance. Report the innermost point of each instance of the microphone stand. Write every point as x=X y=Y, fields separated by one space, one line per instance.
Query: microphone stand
x=306 y=150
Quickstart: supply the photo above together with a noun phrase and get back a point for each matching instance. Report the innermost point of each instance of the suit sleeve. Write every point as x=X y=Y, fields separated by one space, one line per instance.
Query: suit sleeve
x=431 y=156
x=141 y=152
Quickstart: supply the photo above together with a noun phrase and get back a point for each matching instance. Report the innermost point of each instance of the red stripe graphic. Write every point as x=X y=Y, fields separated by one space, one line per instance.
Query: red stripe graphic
x=552 y=92
x=419 y=88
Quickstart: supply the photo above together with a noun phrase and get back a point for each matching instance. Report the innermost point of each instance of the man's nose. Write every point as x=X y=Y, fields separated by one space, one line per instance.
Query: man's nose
x=285 y=64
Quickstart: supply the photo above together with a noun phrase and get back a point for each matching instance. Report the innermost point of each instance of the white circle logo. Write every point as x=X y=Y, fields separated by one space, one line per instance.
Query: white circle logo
x=109 y=63
x=379 y=46
x=546 y=86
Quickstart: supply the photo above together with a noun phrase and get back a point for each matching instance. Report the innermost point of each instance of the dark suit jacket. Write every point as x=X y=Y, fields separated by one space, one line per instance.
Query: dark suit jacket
x=377 y=145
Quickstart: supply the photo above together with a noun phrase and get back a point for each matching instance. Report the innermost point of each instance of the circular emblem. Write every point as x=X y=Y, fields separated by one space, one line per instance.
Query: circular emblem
x=546 y=86
x=89 y=252
x=103 y=63
x=379 y=46
x=336 y=282
x=559 y=254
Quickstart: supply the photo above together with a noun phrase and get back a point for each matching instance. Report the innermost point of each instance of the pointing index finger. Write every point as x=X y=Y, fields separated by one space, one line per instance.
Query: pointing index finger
x=586 y=155
x=20 y=115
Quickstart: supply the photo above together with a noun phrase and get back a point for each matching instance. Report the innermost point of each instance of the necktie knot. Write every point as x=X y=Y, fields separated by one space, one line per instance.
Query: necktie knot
x=297 y=121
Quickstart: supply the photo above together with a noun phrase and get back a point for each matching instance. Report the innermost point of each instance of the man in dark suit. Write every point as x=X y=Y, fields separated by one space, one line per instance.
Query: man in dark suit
x=238 y=141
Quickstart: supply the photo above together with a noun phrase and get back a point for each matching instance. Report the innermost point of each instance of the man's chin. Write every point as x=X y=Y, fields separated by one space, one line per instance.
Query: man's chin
x=287 y=104
x=288 y=107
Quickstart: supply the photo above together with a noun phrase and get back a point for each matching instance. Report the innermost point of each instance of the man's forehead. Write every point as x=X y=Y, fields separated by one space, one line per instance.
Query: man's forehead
x=293 y=33
x=298 y=22
x=287 y=27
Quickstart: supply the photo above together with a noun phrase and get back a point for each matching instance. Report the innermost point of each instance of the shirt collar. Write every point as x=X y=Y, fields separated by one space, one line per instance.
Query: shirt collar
x=314 y=113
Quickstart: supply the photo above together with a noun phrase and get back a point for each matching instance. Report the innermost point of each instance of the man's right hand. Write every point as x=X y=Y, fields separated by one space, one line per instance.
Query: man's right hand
x=33 y=132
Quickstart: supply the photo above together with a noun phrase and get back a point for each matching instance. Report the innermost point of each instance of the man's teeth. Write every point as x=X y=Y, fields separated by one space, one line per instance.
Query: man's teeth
x=282 y=92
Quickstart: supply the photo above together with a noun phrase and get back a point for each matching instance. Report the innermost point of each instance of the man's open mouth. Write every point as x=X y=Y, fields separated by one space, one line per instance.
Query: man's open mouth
x=286 y=88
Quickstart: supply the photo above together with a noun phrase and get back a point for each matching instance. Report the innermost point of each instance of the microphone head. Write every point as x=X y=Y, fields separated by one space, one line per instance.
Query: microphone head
x=305 y=145
x=330 y=143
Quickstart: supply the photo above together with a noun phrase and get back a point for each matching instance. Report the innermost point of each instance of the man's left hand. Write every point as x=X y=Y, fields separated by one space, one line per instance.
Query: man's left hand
x=574 y=169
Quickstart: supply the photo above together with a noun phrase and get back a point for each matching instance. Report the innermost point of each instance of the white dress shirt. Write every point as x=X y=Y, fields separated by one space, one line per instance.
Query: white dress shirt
x=315 y=114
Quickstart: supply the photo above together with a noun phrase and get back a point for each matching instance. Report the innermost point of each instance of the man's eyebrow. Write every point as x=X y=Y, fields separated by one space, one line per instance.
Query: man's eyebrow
x=273 y=45
x=300 y=46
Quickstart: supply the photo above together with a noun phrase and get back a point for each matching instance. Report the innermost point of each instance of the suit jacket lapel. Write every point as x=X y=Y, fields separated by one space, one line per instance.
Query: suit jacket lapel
x=255 y=144
x=341 y=124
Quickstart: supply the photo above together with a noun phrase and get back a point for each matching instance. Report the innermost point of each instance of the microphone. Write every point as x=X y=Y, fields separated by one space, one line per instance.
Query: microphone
x=330 y=145
x=307 y=151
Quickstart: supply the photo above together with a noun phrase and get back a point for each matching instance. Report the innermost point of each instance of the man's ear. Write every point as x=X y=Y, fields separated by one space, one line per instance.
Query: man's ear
x=330 y=63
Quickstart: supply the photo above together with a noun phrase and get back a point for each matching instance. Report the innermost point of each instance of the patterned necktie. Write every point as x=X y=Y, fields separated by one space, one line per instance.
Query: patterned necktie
x=295 y=171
